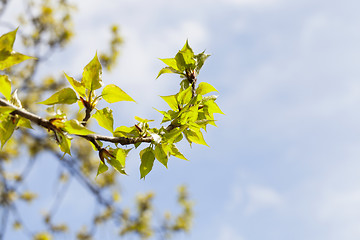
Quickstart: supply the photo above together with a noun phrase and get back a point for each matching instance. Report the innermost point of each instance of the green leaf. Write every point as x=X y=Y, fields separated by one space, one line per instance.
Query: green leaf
x=147 y=157
x=195 y=136
x=124 y=131
x=64 y=96
x=24 y=122
x=102 y=168
x=78 y=86
x=171 y=62
x=121 y=155
x=184 y=97
x=112 y=93
x=176 y=153
x=6 y=109
x=213 y=107
x=161 y=155
x=105 y=118
x=8 y=57
x=205 y=88
x=12 y=59
x=91 y=77
x=171 y=101
x=7 y=41
x=117 y=163
x=200 y=60
x=7 y=127
x=185 y=58
x=5 y=86
x=168 y=70
x=74 y=127
x=174 y=133
x=64 y=142
x=143 y=120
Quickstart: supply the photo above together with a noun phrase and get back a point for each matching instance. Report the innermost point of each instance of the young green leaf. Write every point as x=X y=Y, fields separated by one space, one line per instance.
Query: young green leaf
x=147 y=157
x=8 y=57
x=171 y=101
x=124 y=131
x=64 y=142
x=74 y=127
x=205 y=88
x=176 y=153
x=24 y=122
x=171 y=62
x=168 y=70
x=195 y=136
x=121 y=155
x=184 y=97
x=64 y=96
x=116 y=163
x=7 y=127
x=91 y=77
x=5 y=86
x=112 y=93
x=143 y=120
x=161 y=155
x=213 y=107
x=105 y=118
x=200 y=59
x=78 y=86
x=102 y=168
x=6 y=110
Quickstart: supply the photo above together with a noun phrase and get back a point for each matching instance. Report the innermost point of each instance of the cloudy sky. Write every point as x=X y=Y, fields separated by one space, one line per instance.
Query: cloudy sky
x=284 y=161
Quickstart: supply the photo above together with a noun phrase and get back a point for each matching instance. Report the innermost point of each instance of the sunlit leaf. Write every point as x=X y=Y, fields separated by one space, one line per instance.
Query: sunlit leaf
x=8 y=57
x=195 y=136
x=112 y=93
x=102 y=168
x=213 y=107
x=184 y=97
x=171 y=101
x=205 y=88
x=105 y=118
x=147 y=157
x=6 y=109
x=117 y=163
x=92 y=74
x=64 y=142
x=23 y=122
x=64 y=96
x=79 y=87
x=161 y=155
x=121 y=155
x=171 y=62
x=176 y=153
x=5 y=86
x=143 y=120
x=7 y=127
x=125 y=131
x=200 y=59
x=73 y=126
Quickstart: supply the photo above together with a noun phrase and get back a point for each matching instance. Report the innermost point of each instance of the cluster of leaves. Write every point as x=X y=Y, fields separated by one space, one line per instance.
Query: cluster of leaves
x=190 y=110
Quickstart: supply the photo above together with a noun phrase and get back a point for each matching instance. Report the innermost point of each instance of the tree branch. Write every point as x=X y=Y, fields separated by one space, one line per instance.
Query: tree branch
x=91 y=137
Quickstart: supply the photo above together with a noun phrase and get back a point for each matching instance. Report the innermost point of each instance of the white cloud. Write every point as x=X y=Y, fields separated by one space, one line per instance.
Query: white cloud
x=260 y=197
x=229 y=233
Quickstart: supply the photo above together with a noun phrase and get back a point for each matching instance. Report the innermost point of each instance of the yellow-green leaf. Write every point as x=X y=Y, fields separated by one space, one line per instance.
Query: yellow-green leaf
x=171 y=101
x=91 y=77
x=102 y=168
x=147 y=157
x=64 y=142
x=195 y=136
x=5 y=86
x=161 y=155
x=121 y=155
x=171 y=62
x=112 y=93
x=105 y=118
x=74 y=127
x=176 y=153
x=7 y=127
x=144 y=120
x=13 y=59
x=205 y=88
x=78 y=86
x=64 y=96
x=117 y=163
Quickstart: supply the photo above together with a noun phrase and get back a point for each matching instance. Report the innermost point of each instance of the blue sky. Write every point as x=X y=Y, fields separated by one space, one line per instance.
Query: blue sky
x=284 y=160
